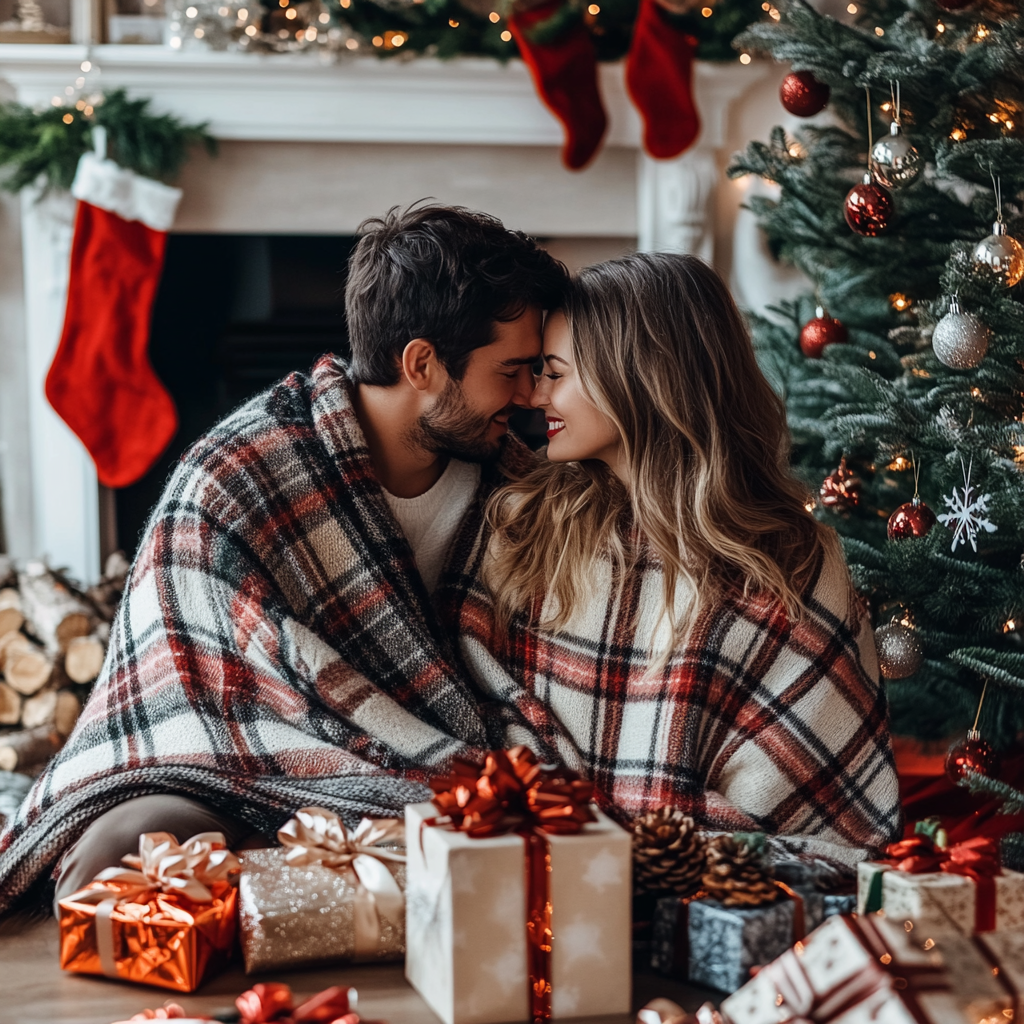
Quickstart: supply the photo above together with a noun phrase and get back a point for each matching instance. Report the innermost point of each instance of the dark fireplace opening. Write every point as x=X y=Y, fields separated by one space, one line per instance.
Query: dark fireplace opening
x=234 y=314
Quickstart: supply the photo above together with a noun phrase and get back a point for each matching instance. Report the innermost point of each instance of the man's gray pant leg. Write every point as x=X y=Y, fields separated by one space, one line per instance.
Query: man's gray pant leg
x=116 y=833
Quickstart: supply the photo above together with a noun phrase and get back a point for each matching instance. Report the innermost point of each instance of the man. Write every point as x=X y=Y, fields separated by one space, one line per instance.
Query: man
x=276 y=646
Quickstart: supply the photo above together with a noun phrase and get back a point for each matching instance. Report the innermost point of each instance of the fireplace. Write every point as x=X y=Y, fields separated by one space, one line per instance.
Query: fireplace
x=307 y=152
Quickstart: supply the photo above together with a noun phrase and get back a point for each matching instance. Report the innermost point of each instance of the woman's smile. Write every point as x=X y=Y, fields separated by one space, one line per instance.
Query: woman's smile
x=554 y=426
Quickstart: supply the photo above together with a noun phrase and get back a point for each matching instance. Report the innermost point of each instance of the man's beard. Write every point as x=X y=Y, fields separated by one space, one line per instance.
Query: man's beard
x=453 y=430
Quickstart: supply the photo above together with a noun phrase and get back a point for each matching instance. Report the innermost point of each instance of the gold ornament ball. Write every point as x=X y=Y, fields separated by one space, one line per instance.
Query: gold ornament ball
x=960 y=340
x=899 y=650
x=1001 y=256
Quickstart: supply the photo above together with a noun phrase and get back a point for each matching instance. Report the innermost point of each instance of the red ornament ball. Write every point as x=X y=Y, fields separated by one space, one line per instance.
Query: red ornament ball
x=913 y=519
x=802 y=94
x=971 y=755
x=820 y=332
x=840 y=490
x=868 y=208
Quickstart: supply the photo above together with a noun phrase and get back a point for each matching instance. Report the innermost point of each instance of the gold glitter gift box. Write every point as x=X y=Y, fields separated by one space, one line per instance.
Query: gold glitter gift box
x=327 y=894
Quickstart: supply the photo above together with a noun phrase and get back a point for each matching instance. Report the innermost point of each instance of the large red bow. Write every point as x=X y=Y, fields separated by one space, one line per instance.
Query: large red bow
x=976 y=858
x=511 y=791
x=272 y=1003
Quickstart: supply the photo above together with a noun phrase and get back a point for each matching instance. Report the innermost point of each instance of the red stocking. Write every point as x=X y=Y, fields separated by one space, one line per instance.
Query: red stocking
x=659 y=78
x=101 y=382
x=565 y=74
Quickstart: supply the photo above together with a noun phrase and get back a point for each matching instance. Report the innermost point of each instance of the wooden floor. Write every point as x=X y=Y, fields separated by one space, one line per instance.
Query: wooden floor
x=34 y=990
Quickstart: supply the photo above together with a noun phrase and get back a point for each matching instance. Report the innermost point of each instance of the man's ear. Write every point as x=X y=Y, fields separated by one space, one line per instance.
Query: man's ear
x=420 y=364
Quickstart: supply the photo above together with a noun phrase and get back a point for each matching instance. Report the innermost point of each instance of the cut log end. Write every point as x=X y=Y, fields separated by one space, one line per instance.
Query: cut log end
x=10 y=705
x=84 y=659
x=39 y=710
x=28 y=671
x=20 y=750
x=66 y=713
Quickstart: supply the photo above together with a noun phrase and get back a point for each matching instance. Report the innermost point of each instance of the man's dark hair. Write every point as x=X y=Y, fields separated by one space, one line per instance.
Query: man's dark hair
x=443 y=273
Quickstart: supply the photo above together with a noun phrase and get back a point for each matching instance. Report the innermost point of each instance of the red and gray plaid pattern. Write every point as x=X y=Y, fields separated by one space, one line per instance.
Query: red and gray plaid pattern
x=275 y=648
x=756 y=724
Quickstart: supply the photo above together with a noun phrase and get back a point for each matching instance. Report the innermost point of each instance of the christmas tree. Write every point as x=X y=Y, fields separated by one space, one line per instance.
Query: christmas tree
x=903 y=372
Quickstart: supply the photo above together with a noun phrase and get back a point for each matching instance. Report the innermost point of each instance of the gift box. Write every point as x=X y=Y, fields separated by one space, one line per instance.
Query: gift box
x=707 y=943
x=959 y=889
x=874 y=970
x=166 y=919
x=326 y=894
x=509 y=925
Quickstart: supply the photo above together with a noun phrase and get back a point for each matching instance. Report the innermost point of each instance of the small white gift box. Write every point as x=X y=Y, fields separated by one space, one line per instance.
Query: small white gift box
x=466 y=921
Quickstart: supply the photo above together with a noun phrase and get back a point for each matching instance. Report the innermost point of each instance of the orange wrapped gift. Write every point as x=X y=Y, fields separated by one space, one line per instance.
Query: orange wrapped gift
x=166 y=919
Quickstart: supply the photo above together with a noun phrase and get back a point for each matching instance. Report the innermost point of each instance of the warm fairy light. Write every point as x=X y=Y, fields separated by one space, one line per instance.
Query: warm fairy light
x=975 y=392
x=68 y=118
x=900 y=464
x=809 y=505
x=593 y=9
x=1009 y=625
x=1018 y=454
x=69 y=90
x=940 y=27
x=346 y=3
x=222 y=11
x=453 y=23
x=191 y=12
x=251 y=30
x=918 y=372
x=766 y=6
x=871 y=355
x=774 y=14
x=56 y=101
x=324 y=18
x=242 y=14
x=311 y=33
x=851 y=8
x=79 y=82
x=908 y=926
x=744 y=58
x=199 y=33
x=958 y=135
x=900 y=302
x=506 y=36
x=86 y=66
x=300 y=34
x=494 y=17
x=80 y=105
x=377 y=40
x=351 y=44
x=291 y=14
x=928 y=944
x=88 y=110
x=794 y=150
x=398 y=38
x=706 y=11
x=980 y=33
x=879 y=31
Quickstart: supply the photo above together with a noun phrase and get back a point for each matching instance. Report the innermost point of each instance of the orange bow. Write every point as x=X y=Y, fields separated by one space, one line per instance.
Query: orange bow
x=511 y=791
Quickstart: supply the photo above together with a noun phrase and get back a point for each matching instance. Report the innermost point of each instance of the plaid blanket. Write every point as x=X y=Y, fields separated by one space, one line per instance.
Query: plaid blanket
x=756 y=724
x=275 y=648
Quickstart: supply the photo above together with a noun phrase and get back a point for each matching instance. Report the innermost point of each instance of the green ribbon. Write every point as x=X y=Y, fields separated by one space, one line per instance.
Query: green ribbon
x=874 y=900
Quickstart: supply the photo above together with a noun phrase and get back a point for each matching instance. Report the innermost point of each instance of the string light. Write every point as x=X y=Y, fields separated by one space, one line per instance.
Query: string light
x=766 y=6
x=901 y=463
x=351 y=44
x=506 y=36
x=324 y=18
x=291 y=14
x=900 y=302
x=940 y=27
x=851 y=8
x=86 y=66
x=1009 y=625
x=242 y=14
x=494 y=17
x=377 y=40
x=68 y=118
x=199 y=33
x=980 y=33
x=871 y=355
x=958 y=134
x=744 y=58
x=593 y=9
x=251 y=30
x=879 y=31
x=706 y=11
x=453 y=23
x=222 y=11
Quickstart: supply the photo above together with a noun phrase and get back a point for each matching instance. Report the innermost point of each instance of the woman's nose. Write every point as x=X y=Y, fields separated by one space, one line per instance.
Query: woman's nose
x=539 y=398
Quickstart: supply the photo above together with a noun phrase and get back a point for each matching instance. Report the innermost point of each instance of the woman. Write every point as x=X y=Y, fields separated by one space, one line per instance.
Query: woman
x=655 y=605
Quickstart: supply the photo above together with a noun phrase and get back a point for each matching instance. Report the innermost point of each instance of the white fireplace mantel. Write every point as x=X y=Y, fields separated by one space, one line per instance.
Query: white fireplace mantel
x=417 y=102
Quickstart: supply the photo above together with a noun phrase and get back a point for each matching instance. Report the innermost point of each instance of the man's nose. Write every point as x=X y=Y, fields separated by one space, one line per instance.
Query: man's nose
x=524 y=388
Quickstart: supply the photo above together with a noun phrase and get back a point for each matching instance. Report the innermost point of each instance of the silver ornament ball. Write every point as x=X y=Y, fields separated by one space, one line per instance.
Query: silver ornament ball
x=960 y=340
x=1000 y=257
x=899 y=650
x=896 y=160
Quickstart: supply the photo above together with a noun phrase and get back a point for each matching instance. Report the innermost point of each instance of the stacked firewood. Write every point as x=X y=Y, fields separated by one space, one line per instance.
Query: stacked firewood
x=53 y=639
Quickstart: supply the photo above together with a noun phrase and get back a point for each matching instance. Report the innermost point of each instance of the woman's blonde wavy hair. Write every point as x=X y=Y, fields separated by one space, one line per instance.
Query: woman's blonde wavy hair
x=661 y=349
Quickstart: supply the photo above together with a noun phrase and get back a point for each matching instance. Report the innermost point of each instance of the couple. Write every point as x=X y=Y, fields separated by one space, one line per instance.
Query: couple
x=360 y=573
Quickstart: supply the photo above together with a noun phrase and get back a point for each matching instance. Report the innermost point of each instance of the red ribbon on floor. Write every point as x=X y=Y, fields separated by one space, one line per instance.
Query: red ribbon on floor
x=977 y=859
x=511 y=792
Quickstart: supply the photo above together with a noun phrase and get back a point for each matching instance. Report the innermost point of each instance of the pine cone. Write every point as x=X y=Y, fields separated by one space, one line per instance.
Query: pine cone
x=668 y=853
x=736 y=873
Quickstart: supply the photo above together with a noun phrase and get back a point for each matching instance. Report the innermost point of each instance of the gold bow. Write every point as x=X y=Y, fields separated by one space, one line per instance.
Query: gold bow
x=318 y=836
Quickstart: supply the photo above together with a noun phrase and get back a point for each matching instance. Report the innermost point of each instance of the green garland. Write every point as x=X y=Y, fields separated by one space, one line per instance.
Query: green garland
x=446 y=28
x=43 y=147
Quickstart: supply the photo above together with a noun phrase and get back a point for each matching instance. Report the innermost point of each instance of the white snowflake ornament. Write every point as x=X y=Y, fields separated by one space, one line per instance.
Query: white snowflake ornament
x=966 y=515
